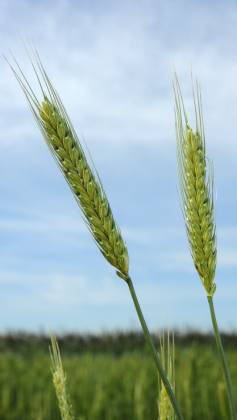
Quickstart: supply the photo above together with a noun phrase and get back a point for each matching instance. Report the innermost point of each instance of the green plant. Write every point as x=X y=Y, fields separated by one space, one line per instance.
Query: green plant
x=167 y=355
x=59 y=381
x=125 y=379
x=196 y=186
x=86 y=186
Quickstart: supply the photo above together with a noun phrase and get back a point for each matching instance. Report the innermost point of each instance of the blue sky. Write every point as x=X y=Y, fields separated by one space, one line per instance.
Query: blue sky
x=112 y=63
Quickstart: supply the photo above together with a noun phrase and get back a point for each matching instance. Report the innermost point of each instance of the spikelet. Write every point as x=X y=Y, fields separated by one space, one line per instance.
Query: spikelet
x=84 y=182
x=165 y=409
x=59 y=381
x=196 y=186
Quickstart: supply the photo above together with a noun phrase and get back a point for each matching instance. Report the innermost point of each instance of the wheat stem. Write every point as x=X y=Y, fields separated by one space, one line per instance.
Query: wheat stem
x=156 y=358
x=223 y=359
x=196 y=186
x=86 y=186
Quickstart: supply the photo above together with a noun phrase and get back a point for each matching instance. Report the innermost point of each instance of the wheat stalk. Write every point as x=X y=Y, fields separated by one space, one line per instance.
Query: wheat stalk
x=59 y=381
x=196 y=186
x=85 y=184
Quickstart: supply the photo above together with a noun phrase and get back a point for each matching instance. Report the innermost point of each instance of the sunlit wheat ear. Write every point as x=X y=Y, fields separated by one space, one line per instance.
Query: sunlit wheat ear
x=59 y=381
x=84 y=182
x=196 y=186
x=165 y=409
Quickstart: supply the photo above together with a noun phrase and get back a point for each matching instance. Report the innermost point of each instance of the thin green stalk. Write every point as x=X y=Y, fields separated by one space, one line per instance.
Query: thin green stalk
x=85 y=184
x=153 y=350
x=223 y=359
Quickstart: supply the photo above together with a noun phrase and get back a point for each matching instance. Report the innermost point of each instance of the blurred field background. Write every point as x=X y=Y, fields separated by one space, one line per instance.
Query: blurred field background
x=111 y=376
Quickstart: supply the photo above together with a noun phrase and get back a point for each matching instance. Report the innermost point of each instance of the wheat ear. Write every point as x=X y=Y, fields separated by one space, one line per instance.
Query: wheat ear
x=59 y=381
x=84 y=182
x=64 y=144
x=196 y=186
x=165 y=409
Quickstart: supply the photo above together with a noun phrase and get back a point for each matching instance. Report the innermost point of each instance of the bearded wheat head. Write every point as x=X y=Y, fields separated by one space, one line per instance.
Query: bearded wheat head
x=82 y=178
x=196 y=187
x=60 y=381
x=167 y=355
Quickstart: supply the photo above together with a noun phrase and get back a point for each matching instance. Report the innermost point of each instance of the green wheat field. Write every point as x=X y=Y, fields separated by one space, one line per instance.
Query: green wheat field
x=111 y=377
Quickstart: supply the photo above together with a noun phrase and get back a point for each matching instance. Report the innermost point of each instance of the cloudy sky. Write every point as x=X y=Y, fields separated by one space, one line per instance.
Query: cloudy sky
x=112 y=63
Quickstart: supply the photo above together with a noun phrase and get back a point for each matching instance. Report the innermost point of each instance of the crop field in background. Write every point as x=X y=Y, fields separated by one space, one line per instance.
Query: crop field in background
x=111 y=377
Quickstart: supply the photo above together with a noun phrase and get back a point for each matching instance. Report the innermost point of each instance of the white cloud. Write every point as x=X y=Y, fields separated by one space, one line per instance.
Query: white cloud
x=79 y=290
x=33 y=222
x=114 y=70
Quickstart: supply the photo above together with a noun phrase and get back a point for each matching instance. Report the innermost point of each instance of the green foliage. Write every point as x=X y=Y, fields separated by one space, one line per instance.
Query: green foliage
x=105 y=386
